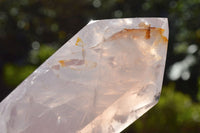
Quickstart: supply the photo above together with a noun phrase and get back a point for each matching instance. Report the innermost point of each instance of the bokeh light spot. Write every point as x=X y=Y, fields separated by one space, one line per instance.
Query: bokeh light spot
x=35 y=45
x=185 y=75
x=118 y=13
x=96 y=3
x=192 y=48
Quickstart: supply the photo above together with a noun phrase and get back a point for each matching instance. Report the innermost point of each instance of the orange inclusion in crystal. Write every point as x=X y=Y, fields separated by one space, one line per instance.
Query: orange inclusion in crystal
x=62 y=62
x=78 y=41
x=145 y=32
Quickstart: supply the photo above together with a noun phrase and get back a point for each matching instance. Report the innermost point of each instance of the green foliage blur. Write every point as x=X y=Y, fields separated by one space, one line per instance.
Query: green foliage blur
x=32 y=30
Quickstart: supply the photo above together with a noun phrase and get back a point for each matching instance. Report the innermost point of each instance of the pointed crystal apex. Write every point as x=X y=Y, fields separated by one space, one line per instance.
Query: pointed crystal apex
x=100 y=81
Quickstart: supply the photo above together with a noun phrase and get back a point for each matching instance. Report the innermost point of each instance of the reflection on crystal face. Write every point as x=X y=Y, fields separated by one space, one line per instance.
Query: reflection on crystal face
x=102 y=80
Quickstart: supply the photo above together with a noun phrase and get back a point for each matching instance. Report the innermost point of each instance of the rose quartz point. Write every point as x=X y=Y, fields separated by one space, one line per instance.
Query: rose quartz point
x=102 y=80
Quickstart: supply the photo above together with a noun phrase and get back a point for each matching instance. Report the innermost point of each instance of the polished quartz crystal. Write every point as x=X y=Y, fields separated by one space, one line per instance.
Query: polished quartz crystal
x=100 y=81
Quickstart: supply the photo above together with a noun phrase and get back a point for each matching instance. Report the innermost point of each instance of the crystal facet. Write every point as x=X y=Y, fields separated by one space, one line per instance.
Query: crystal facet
x=100 y=81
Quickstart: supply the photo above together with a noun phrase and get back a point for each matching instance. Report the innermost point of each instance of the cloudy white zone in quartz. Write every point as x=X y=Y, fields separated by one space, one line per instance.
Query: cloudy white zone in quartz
x=100 y=81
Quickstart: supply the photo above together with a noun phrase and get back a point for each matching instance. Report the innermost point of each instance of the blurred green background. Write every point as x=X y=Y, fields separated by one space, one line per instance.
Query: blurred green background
x=32 y=30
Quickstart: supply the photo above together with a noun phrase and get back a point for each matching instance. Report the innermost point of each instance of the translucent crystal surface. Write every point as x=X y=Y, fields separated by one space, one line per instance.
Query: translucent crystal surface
x=100 y=81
